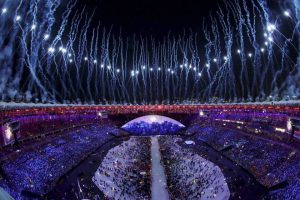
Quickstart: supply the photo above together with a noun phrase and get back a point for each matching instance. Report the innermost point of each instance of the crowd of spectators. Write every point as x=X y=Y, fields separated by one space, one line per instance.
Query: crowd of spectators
x=191 y=176
x=144 y=128
x=267 y=125
x=33 y=125
x=290 y=193
x=36 y=170
x=124 y=172
x=270 y=162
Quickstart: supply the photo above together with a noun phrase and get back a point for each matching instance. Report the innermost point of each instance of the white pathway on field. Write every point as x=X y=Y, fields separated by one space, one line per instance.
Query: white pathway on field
x=159 y=181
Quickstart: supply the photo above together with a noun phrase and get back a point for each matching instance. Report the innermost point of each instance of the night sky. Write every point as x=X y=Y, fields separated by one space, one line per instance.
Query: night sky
x=198 y=49
x=150 y=17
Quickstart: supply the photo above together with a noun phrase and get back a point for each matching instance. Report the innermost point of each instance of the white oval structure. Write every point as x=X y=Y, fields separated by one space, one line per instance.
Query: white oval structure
x=189 y=142
x=153 y=119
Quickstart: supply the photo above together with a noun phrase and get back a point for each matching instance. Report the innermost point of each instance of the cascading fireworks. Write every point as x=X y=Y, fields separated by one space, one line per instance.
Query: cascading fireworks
x=50 y=52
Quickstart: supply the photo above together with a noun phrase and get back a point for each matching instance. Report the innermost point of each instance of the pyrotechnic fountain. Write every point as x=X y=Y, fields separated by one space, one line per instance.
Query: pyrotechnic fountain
x=243 y=54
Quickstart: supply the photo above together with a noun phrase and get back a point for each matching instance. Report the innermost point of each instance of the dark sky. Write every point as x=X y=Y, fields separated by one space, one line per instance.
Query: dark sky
x=151 y=17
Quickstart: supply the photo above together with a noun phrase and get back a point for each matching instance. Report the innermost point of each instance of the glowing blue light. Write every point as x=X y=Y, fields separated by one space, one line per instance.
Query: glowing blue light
x=62 y=49
x=215 y=60
x=262 y=50
x=102 y=66
x=250 y=55
x=85 y=58
x=238 y=51
x=108 y=67
x=270 y=39
x=33 y=27
x=18 y=18
x=95 y=61
x=118 y=70
x=271 y=27
x=4 y=10
x=207 y=65
x=71 y=60
x=200 y=74
x=46 y=36
x=151 y=69
x=287 y=13
x=181 y=66
x=51 y=50
x=143 y=67
x=159 y=69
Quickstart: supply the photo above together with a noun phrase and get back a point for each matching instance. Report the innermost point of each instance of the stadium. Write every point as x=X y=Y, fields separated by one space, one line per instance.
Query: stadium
x=149 y=100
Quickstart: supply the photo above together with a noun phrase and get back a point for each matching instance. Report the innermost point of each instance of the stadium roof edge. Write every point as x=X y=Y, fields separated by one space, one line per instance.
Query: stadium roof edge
x=7 y=105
